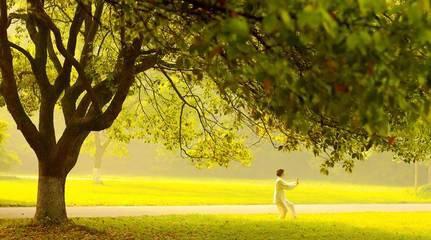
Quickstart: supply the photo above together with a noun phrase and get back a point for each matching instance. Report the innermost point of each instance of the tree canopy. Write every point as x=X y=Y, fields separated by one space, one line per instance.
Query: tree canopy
x=335 y=76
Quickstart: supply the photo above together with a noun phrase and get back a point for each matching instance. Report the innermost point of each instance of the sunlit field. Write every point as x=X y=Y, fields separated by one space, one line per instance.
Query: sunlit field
x=357 y=226
x=173 y=191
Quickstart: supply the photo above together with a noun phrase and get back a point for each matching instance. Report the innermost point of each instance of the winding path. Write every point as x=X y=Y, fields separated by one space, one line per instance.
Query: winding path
x=122 y=211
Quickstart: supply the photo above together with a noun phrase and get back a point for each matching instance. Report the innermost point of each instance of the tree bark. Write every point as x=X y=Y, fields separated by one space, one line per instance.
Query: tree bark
x=53 y=170
x=51 y=205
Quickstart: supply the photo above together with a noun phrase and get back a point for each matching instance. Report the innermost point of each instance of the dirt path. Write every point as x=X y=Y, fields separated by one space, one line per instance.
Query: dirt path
x=121 y=211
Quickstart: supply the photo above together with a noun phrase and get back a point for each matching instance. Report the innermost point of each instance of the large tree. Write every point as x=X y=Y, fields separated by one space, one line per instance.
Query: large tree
x=83 y=57
x=89 y=102
x=329 y=74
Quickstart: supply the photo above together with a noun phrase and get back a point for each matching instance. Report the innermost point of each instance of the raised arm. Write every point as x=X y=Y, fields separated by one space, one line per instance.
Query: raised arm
x=288 y=185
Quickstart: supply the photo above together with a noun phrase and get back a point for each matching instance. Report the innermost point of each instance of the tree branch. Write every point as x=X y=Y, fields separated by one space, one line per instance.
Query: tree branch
x=53 y=56
x=9 y=88
x=63 y=79
x=23 y=51
x=123 y=78
x=38 y=11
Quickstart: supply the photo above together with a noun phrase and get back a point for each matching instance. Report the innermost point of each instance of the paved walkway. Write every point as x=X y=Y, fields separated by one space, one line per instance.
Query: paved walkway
x=121 y=211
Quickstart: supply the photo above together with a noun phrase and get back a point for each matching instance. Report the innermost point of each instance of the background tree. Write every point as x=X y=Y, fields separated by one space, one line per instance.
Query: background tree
x=429 y=172
x=101 y=145
x=413 y=145
x=7 y=158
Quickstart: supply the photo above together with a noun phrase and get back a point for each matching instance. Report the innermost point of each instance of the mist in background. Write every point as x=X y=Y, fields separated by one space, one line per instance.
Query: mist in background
x=152 y=160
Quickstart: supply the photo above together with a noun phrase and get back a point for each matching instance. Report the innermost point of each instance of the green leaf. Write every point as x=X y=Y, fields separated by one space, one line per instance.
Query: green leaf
x=310 y=17
x=287 y=21
x=270 y=24
x=239 y=27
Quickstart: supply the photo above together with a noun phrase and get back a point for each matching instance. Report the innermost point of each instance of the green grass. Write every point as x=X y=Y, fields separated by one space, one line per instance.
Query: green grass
x=355 y=226
x=171 y=191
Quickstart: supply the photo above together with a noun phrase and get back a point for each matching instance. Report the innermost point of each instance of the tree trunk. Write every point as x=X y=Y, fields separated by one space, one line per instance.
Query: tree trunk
x=429 y=174
x=96 y=170
x=97 y=158
x=416 y=176
x=51 y=206
x=53 y=170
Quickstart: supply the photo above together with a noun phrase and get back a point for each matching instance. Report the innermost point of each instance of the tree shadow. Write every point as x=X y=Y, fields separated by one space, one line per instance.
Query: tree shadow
x=209 y=227
x=313 y=230
x=19 y=229
x=219 y=227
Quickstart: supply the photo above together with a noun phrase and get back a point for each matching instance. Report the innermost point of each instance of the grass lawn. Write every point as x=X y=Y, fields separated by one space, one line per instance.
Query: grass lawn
x=355 y=226
x=170 y=191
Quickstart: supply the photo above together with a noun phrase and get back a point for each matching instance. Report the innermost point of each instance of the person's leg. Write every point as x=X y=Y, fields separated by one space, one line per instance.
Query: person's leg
x=282 y=210
x=291 y=207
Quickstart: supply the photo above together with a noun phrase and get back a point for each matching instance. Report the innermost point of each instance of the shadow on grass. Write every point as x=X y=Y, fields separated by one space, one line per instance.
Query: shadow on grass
x=25 y=229
x=226 y=228
x=205 y=227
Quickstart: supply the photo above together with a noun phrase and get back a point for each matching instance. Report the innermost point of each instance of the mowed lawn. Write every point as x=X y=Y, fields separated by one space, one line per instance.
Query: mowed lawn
x=355 y=226
x=172 y=191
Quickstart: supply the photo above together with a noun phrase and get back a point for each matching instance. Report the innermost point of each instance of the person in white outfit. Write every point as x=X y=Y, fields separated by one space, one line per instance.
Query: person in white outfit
x=280 y=200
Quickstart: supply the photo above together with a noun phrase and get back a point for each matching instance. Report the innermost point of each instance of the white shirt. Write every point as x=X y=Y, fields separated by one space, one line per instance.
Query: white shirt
x=280 y=186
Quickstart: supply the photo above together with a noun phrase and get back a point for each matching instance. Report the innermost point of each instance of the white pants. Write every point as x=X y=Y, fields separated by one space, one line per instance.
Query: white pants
x=284 y=207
